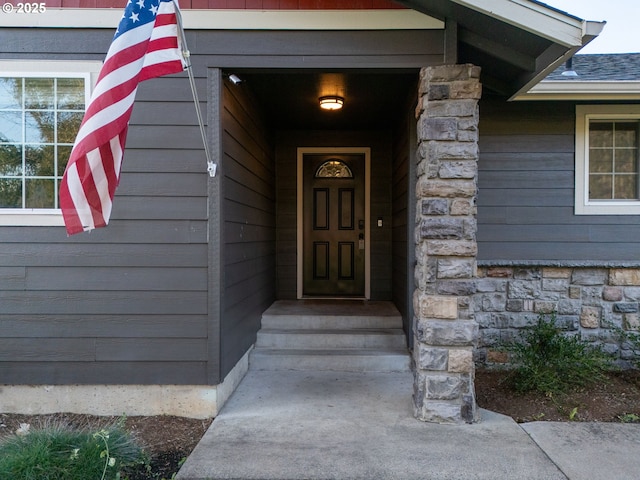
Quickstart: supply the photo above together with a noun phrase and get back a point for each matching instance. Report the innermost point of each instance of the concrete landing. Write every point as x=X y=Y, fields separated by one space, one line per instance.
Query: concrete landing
x=291 y=425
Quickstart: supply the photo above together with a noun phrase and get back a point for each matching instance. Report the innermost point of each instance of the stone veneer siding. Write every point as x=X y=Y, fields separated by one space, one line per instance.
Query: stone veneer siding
x=444 y=329
x=586 y=301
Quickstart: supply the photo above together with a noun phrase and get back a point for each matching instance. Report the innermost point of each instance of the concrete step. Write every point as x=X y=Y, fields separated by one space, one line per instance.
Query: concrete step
x=343 y=360
x=333 y=322
x=302 y=339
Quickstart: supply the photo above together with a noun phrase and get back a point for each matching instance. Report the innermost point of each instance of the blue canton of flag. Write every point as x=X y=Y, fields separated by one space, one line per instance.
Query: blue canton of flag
x=136 y=14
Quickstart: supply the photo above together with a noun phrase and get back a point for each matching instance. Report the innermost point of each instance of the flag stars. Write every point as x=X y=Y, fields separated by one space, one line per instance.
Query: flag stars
x=134 y=17
x=154 y=9
x=140 y=3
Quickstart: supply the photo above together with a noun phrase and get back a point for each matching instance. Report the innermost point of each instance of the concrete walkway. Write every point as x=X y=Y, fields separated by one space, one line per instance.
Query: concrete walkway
x=334 y=425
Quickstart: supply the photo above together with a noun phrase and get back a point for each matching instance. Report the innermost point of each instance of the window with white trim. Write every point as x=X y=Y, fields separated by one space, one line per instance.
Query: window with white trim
x=41 y=108
x=607 y=160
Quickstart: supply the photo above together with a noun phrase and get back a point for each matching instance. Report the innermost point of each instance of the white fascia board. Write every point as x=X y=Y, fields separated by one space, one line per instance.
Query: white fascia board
x=532 y=17
x=238 y=19
x=568 y=90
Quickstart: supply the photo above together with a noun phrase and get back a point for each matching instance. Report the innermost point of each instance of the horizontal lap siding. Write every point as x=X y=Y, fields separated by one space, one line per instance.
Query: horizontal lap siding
x=526 y=190
x=125 y=304
x=249 y=223
x=402 y=226
x=144 y=277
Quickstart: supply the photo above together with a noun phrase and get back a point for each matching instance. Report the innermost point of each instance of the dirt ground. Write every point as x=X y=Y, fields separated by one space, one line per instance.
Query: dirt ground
x=169 y=440
x=616 y=400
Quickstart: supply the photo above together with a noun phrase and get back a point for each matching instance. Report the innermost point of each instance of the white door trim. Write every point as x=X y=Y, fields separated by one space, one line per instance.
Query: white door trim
x=366 y=151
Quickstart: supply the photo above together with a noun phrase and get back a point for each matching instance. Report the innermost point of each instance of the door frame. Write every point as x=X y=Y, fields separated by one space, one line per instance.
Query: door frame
x=366 y=151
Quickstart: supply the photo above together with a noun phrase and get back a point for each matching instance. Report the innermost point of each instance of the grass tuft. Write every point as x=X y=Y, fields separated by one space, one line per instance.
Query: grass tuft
x=59 y=452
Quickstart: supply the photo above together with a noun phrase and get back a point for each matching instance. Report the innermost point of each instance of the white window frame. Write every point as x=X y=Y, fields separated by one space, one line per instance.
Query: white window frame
x=583 y=205
x=49 y=69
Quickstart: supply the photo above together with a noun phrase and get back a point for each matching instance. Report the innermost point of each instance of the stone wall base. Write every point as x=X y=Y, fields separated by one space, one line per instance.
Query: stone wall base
x=589 y=302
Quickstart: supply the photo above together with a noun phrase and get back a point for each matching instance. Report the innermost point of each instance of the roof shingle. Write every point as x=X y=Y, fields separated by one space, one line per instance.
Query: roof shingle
x=601 y=67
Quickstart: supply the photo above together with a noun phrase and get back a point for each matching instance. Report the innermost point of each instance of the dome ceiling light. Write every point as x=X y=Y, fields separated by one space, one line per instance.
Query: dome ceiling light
x=331 y=102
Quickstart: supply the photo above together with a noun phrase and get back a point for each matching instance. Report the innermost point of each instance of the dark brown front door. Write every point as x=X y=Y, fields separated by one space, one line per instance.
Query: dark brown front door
x=333 y=224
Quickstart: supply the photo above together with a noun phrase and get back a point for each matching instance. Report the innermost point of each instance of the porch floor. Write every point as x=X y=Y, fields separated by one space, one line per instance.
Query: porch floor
x=332 y=307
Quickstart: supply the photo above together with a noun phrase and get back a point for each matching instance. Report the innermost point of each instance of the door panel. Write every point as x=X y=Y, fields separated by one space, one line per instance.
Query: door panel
x=333 y=224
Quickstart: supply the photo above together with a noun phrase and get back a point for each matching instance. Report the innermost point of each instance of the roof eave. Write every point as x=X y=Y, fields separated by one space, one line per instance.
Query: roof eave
x=590 y=31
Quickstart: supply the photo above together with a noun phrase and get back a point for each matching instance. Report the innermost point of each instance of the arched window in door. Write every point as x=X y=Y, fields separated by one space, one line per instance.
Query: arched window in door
x=334 y=168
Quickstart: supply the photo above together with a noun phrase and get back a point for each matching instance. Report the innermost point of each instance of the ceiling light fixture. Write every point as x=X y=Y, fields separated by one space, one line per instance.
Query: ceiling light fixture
x=331 y=102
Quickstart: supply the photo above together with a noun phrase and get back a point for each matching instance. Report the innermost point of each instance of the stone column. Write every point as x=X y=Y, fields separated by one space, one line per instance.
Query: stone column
x=444 y=327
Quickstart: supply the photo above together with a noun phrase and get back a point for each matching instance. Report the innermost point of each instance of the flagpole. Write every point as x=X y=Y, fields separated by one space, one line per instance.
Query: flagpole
x=211 y=166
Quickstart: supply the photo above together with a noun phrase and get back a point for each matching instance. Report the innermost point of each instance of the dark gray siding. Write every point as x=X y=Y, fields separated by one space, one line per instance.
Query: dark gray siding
x=126 y=304
x=286 y=158
x=526 y=191
x=134 y=302
x=248 y=210
x=319 y=49
x=403 y=218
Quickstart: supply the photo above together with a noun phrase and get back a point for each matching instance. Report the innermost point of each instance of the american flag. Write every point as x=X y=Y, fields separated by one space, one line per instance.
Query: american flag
x=146 y=45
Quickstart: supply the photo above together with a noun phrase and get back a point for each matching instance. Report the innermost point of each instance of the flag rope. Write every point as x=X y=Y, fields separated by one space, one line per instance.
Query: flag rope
x=211 y=165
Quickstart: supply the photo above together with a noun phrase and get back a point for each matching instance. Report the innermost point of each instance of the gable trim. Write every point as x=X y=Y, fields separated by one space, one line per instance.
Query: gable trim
x=532 y=17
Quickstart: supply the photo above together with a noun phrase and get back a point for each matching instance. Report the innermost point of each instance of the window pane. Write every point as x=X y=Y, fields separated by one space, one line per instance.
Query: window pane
x=600 y=187
x=10 y=160
x=626 y=161
x=626 y=187
x=626 y=134
x=71 y=94
x=38 y=93
x=601 y=134
x=64 y=153
x=600 y=161
x=39 y=127
x=39 y=120
x=39 y=193
x=10 y=93
x=39 y=160
x=10 y=193
x=11 y=127
x=68 y=126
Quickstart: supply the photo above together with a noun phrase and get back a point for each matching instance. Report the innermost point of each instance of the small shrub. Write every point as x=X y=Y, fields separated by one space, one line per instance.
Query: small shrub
x=547 y=361
x=58 y=452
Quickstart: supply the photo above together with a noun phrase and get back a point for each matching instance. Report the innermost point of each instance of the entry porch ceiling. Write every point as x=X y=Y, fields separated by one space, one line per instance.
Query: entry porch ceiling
x=372 y=100
x=516 y=42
